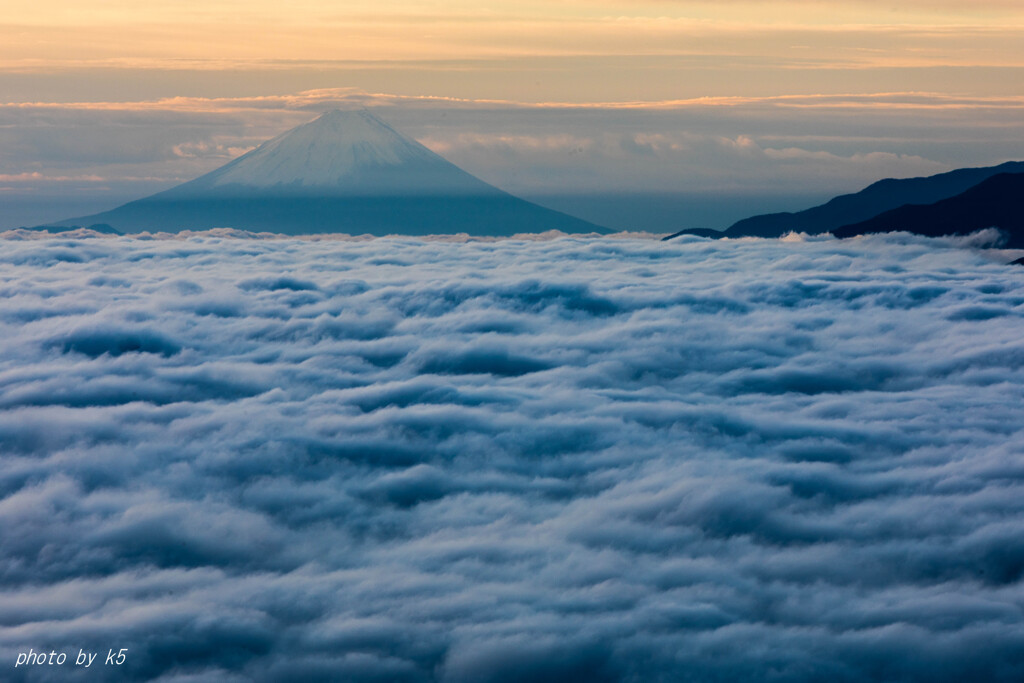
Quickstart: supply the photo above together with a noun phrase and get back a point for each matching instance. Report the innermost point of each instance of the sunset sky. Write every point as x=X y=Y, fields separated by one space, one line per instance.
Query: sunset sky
x=717 y=108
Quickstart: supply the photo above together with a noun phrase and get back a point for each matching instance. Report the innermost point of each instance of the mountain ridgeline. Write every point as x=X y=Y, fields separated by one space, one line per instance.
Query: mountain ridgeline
x=346 y=172
x=971 y=199
x=997 y=202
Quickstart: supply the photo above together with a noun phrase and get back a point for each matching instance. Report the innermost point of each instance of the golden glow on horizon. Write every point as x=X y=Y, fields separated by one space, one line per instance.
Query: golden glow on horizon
x=532 y=51
x=297 y=104
x=57 y=33
x=310 y=12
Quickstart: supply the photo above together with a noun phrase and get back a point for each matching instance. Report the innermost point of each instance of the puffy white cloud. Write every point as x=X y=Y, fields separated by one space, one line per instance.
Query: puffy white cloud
x=402 y=459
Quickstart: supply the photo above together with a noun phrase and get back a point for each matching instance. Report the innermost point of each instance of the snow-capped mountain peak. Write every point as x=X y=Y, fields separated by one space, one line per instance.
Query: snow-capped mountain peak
x=345 y=172
x=347 y=151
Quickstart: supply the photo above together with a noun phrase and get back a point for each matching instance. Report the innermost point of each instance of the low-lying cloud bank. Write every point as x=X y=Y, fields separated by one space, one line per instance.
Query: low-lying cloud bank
x=403 y=460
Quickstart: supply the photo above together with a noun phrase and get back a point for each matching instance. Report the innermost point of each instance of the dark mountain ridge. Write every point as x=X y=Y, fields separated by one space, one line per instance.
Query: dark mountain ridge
x=997 y=202
x=884 y=195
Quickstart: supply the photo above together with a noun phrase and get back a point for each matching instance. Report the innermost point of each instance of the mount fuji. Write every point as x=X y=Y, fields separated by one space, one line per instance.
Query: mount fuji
x=345 y=172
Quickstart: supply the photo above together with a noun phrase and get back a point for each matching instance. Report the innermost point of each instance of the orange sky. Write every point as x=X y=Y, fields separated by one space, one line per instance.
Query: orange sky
x=773 y=96
x=52 y=34
x=795 y=46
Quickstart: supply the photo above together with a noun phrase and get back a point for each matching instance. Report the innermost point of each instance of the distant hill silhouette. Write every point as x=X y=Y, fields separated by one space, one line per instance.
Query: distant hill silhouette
x=56 y=229
x=697 y=232
x=345 y=172
x=873 y=200
x=997 y=202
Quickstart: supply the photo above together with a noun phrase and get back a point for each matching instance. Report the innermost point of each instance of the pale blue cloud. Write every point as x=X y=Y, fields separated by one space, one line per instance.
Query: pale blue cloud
x=600 y=459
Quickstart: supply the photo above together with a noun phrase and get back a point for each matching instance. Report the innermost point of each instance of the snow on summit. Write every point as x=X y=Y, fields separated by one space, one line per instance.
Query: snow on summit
x=340 y=153
x=323 y=153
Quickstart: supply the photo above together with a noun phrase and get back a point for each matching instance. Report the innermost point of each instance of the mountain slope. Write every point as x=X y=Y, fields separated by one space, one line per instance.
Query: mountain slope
x=345 y=172
x=997 y=202
x=877 y=198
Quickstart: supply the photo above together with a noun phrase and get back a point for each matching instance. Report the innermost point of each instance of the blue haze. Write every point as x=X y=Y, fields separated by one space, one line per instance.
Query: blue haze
x=590 y=459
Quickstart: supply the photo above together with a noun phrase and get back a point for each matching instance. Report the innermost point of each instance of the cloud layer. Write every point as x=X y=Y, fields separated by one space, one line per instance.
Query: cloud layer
x=400 y=459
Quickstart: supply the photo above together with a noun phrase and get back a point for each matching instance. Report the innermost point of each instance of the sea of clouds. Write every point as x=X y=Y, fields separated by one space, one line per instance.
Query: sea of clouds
x=571 y=459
